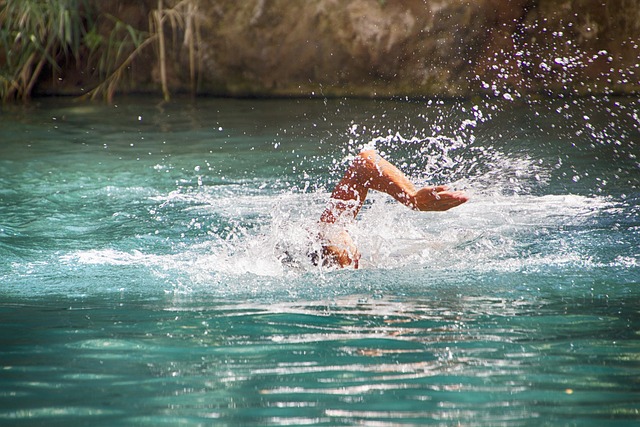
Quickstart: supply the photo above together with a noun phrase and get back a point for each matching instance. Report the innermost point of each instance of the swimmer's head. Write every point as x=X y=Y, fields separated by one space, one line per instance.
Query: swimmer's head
x=340 y=249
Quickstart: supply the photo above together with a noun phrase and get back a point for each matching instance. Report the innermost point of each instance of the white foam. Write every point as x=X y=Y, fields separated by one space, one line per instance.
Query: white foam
x=486 y=233
x=490 y=232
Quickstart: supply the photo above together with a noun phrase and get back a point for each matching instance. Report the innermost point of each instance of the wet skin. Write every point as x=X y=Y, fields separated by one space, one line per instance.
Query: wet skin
x=370 y=171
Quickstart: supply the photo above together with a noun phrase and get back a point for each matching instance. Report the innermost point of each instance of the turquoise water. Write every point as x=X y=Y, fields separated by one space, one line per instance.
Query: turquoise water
x=143 y=281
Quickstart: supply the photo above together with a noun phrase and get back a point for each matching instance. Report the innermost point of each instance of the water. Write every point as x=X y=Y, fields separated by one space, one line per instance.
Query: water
x=142 y=279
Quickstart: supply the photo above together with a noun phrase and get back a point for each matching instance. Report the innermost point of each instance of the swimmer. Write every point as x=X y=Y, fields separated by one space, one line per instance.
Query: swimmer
x=370 y=171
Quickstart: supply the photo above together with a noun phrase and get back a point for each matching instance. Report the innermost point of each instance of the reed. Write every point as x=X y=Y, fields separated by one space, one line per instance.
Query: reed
x=39 y=34
x=35 y=34
x=182 y=18
x=115 y=53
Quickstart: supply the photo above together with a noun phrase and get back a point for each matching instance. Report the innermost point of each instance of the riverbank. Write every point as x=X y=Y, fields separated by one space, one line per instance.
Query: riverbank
x=373 y=48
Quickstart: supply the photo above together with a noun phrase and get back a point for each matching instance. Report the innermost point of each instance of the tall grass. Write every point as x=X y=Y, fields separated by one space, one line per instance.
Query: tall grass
x=49 y=34
x=181 y=17
x=113 y=53
x=35 y=34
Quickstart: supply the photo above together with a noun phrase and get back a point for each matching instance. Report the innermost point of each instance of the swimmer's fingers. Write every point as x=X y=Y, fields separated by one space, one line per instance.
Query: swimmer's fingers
x=432 y=199
x=450 y=199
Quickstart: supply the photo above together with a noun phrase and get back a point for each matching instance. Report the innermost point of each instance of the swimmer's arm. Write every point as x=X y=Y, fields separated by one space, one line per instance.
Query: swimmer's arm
x=378 y=174
x=370 y=171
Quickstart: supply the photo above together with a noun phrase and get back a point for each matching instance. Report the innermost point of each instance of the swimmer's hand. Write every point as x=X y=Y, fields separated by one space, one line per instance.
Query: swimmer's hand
x=438 y=198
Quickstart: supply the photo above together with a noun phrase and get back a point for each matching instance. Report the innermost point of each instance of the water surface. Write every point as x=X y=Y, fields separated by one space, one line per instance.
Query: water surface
x=143 y=280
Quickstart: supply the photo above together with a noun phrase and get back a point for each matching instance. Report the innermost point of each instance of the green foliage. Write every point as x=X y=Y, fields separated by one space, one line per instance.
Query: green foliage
x=43 y=34
x=40 y=34
x=126 y=43
x=113 y=53
x=34 y=34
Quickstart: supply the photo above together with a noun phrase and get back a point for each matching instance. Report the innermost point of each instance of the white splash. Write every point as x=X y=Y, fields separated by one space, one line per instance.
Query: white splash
x=486 y=233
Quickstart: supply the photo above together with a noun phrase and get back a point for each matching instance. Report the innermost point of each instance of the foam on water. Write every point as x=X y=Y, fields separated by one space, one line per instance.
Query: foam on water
x=188 y=222
x=270 y=236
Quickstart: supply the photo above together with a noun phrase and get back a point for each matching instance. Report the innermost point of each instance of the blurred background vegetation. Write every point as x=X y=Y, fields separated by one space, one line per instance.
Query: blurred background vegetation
x=40 y=37
x=96 y=49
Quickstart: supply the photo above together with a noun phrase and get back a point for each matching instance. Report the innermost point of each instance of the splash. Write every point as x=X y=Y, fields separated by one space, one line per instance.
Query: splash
x=489 y=236
x=249 y=236
x=499 y=230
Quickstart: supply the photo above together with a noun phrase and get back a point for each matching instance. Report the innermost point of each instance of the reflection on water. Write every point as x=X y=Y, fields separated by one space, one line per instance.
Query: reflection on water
x=358 y=359
x=142 y=260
